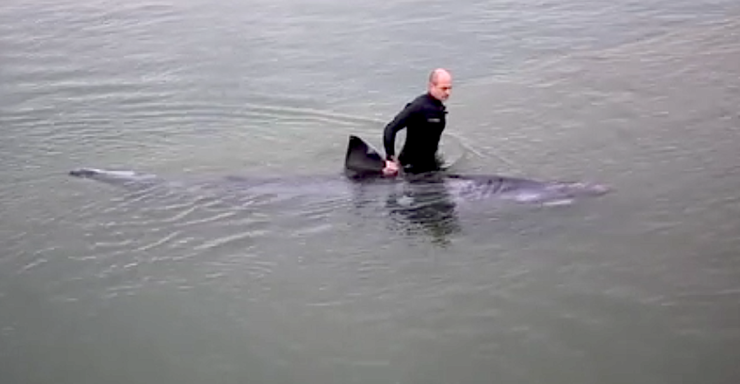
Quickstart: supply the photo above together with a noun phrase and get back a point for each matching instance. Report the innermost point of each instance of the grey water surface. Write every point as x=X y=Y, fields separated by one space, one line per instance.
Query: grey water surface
x=104 y=285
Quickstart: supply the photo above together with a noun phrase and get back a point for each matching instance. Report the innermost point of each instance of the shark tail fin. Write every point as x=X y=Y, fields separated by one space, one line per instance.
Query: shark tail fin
x=112 y=177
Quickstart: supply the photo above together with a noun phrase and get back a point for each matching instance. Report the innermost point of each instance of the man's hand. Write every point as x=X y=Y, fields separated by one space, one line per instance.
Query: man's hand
x=391 y=168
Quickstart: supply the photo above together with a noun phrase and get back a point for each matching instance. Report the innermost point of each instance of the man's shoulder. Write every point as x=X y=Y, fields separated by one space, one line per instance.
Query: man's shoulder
x=419 y=102
x=427 y=104
x=421 y=99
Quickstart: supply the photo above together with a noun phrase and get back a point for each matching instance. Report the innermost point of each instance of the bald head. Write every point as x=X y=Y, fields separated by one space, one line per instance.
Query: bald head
x=435 y=75
x=440 y=84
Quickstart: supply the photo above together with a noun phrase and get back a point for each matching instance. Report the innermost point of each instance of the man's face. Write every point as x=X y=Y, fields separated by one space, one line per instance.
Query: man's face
x=441 y=88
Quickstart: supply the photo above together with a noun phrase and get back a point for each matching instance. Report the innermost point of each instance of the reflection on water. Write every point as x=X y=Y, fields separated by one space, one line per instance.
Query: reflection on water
x=425 y=207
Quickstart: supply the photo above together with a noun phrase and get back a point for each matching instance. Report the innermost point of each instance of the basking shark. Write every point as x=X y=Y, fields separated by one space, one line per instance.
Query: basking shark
x=363 y=170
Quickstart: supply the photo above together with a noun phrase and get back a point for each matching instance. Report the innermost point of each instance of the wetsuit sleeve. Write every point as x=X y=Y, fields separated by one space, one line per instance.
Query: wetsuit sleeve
x=389 y=134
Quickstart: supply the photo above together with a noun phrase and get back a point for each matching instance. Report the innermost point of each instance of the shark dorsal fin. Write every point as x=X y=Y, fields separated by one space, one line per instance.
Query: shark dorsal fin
x=362 y=159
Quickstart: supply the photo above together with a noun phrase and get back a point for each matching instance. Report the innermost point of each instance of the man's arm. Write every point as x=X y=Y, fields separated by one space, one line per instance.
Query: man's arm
x=389 y=133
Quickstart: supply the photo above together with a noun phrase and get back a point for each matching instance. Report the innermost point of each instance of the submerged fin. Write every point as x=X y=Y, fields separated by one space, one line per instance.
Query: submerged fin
x=362 y=159
x=113 y=177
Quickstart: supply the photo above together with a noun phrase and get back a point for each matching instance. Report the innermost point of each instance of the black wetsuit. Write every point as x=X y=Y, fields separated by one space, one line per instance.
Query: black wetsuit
x=424 y=119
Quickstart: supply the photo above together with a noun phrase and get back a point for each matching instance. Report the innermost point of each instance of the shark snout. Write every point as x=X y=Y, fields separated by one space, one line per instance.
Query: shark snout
x=591 y=189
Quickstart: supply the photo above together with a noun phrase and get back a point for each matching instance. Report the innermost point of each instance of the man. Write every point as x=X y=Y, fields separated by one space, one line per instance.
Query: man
x=424 y=119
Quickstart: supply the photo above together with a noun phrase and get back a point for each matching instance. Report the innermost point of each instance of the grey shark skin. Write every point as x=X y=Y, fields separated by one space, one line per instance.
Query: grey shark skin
x=363 y=167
